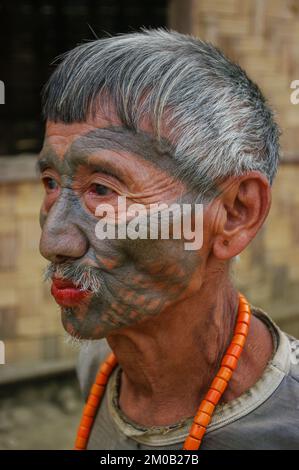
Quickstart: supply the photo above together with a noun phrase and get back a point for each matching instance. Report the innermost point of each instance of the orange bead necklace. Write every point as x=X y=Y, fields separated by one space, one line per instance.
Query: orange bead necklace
x=208 y=404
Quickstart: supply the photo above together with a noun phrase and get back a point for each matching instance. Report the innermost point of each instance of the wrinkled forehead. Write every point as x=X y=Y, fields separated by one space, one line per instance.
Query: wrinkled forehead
x=73 y=141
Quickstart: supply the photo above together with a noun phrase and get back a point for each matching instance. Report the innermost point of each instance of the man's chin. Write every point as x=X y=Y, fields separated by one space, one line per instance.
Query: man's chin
x=77 y=326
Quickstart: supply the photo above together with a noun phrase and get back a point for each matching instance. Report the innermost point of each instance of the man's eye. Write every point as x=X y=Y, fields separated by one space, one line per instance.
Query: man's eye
x=100 y=189
x=50 y=184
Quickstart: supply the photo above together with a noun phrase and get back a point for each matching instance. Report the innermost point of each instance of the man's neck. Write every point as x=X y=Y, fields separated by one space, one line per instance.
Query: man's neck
x=168 y=362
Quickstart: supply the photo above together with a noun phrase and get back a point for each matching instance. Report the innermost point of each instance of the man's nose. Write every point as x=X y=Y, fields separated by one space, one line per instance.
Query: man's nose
x=61 y=238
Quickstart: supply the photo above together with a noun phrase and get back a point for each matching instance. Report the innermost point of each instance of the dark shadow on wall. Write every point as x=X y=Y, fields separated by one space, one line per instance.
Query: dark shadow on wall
x=33 y=33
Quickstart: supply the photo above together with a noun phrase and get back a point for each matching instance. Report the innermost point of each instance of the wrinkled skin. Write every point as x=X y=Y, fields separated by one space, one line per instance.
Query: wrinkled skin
x=167 y=313
x=139 y=278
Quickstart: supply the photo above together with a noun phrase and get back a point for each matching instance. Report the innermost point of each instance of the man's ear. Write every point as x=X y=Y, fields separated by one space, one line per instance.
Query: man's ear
x=243 y=205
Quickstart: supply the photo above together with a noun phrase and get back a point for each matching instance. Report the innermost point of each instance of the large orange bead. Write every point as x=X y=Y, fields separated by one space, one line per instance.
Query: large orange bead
x=239 y=339
x=93 y=400
x=202 y=418
x=106 y=368
x=83 y=432
x=206 y=407
x=244 y=317
x=101 y=379
x=225 y=373
x=197 y=431
x=234 y=350
x=89 y=410
x=241 y=329
x=191 y=443
x=213 y=396
x=97 y=390
x=229 y=361
x=81 y=442
x=86 y=421
x=111 y=360
x=219 y=384
x=244 y=307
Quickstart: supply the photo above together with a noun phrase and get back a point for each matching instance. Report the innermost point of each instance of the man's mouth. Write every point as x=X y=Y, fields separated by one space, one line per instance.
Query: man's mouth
x=66 y=293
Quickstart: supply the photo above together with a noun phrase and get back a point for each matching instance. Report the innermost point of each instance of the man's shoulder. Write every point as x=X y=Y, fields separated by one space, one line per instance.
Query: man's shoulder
x=90 y=358
x=286 y=346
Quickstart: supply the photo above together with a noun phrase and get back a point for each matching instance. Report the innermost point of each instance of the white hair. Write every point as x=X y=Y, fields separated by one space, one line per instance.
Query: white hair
x=218 y=123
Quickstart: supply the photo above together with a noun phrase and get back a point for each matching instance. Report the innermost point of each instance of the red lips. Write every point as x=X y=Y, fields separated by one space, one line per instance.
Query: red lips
x=66 y=293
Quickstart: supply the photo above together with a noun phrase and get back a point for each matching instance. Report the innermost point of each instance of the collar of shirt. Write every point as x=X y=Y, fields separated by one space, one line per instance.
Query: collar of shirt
x=278 y=367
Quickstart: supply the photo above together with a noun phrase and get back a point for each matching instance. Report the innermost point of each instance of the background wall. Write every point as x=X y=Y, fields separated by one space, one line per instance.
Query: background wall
x=34 y=34
x=40 y=404
x=263 y=37
x=29 y=318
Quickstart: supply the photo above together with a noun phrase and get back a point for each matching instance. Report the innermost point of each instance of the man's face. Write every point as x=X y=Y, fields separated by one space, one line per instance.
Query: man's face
x=84 y=165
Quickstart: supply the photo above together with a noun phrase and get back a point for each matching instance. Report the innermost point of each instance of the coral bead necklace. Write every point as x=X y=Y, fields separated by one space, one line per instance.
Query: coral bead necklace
x=208 y=404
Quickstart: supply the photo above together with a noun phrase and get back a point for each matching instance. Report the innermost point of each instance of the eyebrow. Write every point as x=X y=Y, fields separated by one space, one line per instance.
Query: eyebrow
x=42 y=164
x=106 y=167
x=47 y=161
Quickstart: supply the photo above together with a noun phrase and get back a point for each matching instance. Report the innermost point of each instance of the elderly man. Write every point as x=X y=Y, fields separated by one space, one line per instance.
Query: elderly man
x=184 y=362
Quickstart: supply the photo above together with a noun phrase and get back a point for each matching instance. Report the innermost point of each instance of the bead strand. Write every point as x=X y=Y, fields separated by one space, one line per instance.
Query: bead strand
x=220 y=382
x=208 y=404
x=94 y=399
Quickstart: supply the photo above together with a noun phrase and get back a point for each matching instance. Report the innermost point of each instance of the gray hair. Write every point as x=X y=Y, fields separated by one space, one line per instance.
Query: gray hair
x=217 y=122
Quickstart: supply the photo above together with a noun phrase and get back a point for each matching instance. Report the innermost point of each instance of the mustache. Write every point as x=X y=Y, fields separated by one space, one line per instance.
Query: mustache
x=87 y=278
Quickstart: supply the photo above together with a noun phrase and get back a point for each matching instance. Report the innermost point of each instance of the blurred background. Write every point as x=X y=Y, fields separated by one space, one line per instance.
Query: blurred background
x=40 y=404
